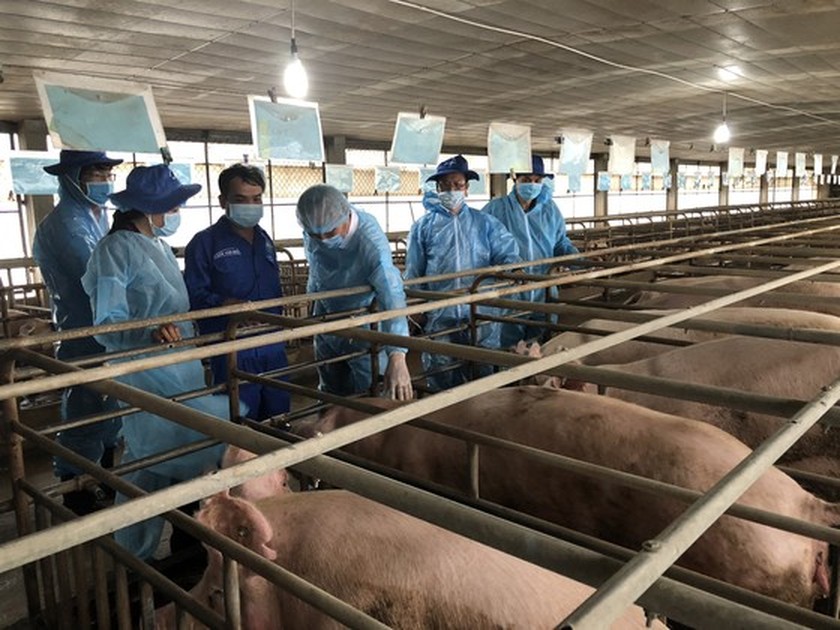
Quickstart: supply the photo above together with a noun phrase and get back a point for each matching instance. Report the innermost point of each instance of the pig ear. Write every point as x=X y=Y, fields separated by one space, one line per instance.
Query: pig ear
x=254 y=531
x=521 y=348
x=534 y=351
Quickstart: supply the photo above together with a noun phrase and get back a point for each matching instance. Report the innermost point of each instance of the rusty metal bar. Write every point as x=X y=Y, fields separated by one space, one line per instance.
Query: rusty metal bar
x=233 y=619
x=473 y=467
x=123 y=603
x=100 y=574
x=123 y=557
x=20 y=342
x=47 y=573
x=82 y=575
x=17 y=473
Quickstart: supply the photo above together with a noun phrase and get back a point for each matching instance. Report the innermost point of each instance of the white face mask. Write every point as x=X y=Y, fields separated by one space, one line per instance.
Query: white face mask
x=171 y=223
x=245 y=215
x=451 y=199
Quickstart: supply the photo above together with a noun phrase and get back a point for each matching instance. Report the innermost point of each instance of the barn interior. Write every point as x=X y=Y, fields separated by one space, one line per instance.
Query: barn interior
x=665 y=277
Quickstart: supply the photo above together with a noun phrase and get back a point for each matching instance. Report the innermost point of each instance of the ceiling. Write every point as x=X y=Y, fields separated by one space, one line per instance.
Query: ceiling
x=549 y=66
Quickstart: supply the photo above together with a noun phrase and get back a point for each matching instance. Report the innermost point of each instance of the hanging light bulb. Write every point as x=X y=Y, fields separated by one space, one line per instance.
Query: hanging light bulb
x=294 y=76
x=722 y=133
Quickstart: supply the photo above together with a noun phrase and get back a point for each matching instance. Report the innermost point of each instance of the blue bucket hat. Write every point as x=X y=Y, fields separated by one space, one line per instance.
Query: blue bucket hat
x=537 y=168
x=153 y=190
x=70 y=161
x=457 y=164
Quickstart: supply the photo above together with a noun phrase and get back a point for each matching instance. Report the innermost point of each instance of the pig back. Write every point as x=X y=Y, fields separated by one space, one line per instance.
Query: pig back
x=408 y=573
x=628 y=438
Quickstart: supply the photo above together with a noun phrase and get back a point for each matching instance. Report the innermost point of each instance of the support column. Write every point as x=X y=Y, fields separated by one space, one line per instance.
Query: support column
x=672 y=192
x=794 y=187
x=763 y=189
x=498 y=185
x=823 y=187
x=601 y=196
x=33 y=137
x=335 y=147
x=723 y=191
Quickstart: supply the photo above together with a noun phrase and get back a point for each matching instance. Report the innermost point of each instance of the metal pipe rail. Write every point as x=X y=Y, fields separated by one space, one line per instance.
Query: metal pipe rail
x=109 y=371
x=613 y=597
x=736 y=399
x=600 y=472
x=678 y=601
x=19 y=342
x=166 y=586
x=736 y=594
x=35 y=546
x=222 y=430
x=310 y=593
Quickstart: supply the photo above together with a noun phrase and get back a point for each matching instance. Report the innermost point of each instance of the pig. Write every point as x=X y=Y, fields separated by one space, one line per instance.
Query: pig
x=772 y=367
x=653 y=299
x=269 y=485
x=23 y=324
x=635 y=350
x=625 y=437
x=403 y=571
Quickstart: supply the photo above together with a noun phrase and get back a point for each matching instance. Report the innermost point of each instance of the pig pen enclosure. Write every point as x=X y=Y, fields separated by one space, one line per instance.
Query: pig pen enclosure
x=659 y=281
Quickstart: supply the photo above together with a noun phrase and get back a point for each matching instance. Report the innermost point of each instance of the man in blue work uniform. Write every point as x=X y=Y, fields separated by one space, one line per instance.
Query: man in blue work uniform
x=531 y=216
x=62 y=247
x=234 y=261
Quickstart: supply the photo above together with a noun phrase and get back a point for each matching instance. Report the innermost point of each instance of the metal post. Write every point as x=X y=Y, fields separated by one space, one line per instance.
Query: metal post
x=17 y=472
x=233 y=614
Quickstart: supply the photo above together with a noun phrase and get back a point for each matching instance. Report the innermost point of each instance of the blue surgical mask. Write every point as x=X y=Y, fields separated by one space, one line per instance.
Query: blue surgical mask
x=333 y=242
x=451 y=199
x=528 y=191
x=171 y=223
x=245 y=215
x=98 y=192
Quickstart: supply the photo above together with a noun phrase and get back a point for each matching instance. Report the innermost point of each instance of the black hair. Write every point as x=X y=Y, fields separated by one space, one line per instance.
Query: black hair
x=126 y=221
x=247 y=173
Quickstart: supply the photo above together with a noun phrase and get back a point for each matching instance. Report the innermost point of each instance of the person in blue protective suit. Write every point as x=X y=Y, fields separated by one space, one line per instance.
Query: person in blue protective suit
x=62 y=246
x=537 y=224
x=345 y=248
x=234 y=261
x=132 y=274
x=453 y=237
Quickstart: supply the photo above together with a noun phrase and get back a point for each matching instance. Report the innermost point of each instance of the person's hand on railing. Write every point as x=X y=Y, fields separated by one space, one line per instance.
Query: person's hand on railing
x=167 y=333
x=397 y=380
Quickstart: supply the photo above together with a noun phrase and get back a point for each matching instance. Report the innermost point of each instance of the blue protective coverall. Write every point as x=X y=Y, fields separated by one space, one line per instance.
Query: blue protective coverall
x=364 y=259
x=62 y=246
x=540 y=233
x=220 y=264
x=132 y=276
x=442 y=242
